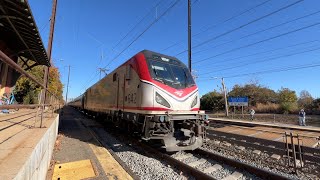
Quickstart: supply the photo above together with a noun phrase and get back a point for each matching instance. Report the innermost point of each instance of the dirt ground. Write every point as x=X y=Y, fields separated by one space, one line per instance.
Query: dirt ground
x=311 y=120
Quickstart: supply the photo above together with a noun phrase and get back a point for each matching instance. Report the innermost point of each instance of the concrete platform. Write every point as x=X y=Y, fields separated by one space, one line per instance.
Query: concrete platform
x=268 y=124
x=25 y=149
x=76 y=143
x=275 y=132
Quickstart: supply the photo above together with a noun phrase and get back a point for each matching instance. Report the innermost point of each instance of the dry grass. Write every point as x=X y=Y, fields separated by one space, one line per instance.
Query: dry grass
x=267 y=108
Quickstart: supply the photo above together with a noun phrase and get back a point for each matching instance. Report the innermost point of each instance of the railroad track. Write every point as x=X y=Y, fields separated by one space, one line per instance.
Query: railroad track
x=261 y=129
x=199 y=164
x=273 y=147
x=202 y=164
x=220 y=167
x=260 y=155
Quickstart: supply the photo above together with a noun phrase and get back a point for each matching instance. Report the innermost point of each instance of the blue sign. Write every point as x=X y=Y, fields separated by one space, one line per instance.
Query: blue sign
x=238 y=101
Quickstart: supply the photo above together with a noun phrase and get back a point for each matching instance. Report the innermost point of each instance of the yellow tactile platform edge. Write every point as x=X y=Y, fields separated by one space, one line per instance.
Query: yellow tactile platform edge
x=111 y=167
x=73 y=170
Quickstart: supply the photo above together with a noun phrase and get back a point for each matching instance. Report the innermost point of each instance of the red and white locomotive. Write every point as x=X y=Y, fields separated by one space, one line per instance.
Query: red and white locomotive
x=153 y=95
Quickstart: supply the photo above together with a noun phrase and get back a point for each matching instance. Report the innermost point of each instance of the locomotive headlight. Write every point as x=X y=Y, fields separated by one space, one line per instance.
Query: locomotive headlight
x=162 y=101
x=161 y=119
x=194 y=102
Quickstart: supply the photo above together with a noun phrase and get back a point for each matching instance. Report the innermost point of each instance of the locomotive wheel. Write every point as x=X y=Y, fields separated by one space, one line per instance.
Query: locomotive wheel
x=123 y=125
x=130 y=128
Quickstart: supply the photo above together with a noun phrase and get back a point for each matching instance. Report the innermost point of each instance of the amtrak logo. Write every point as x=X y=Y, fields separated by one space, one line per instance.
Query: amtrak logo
x=179 y=93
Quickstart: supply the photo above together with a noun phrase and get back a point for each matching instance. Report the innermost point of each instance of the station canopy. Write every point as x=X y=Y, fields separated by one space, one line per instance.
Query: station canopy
x=19 y=32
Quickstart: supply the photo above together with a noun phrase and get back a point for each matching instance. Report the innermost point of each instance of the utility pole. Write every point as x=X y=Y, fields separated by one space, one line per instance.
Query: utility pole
x=49 y=50
x=68 y=85
x=189 y=35
x=225 y=97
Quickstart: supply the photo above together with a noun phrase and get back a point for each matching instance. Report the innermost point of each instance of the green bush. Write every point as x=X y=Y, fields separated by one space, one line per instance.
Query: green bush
x=289 y=107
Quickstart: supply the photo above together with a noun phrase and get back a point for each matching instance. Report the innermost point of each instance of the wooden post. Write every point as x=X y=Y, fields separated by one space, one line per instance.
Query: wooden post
x=242 y=111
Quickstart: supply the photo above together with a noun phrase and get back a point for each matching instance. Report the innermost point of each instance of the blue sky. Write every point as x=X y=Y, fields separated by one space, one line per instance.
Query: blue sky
x=88 y=33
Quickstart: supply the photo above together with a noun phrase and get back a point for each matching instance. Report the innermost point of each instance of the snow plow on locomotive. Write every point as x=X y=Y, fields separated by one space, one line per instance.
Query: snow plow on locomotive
x=152 y=95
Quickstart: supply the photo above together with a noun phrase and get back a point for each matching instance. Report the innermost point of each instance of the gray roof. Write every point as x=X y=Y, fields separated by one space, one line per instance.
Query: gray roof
x=20 y=33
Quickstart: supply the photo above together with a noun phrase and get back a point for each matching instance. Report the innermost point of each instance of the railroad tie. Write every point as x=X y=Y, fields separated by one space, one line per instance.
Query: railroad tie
x=184 y=156
x=257 y=152
x=275 y=156
x=234 y=176
x=212 y=169
x=216 y=142
x=197 y=163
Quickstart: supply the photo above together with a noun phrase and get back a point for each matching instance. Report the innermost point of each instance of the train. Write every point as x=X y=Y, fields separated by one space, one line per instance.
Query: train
x=153 y=96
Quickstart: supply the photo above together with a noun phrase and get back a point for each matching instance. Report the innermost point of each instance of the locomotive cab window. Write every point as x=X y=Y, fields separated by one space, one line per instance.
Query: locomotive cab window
x=175 y=74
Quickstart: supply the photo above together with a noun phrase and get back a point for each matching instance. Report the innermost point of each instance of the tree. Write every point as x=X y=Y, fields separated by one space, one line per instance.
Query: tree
x=27 y=92
x=305 y=100
x=212 y=101
x=315 y=107
x=256 y=93
x=288 y=100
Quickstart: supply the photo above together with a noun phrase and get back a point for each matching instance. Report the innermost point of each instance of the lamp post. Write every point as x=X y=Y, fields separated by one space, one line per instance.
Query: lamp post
x=225 y=95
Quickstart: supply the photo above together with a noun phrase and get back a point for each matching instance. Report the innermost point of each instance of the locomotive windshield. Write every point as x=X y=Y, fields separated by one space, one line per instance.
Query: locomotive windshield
x=170 y=72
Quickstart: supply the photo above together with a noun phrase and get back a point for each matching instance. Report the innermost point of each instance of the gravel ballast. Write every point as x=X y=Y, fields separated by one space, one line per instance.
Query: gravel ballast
x=261 y=161
x=138 y=161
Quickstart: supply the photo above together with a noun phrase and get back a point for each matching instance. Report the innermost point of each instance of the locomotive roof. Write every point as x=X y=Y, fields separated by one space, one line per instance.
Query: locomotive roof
x=148 y=54
x=151 y=54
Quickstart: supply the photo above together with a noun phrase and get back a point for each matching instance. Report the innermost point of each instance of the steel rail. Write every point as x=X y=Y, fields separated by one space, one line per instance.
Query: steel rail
x=309 y=153
x=170 y=160
x=256 y=128
x=199 y=174
x=164 y=157
x=180 y=165
x=253 y=124
x=262 y=173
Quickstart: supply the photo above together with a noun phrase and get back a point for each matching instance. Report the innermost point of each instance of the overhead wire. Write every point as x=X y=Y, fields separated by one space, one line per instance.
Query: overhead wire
x=288 y=68
x=258 y=42
x=125 y=36
x=135 y=39
x=146 y=29
x=260 y=31
x=136 y=25
x=263 y=60
x=95 y=74
x=263 y=52
x=220 y=23
x=243 y=25
x=43 y=27
x=195 y=2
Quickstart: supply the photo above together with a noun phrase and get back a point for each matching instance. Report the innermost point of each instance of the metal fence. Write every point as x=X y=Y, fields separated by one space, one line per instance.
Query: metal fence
x=46 y=95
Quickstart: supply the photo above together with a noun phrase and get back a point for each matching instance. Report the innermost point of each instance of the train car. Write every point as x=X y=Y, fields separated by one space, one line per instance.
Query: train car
x=77 y=102
x=152 y=95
